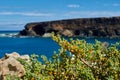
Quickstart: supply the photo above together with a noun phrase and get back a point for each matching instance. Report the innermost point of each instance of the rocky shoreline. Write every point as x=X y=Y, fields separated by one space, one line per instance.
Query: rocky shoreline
x=81 y=27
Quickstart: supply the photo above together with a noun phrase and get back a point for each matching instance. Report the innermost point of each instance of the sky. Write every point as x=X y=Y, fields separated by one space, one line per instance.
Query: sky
x=14 y=14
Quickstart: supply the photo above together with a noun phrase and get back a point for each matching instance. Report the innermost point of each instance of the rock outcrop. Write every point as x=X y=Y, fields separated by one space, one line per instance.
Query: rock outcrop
x=9 y=65
x=100 y=27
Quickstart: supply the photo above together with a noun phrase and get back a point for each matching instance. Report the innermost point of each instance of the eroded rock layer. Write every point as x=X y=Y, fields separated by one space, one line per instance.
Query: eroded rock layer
x=100 y=27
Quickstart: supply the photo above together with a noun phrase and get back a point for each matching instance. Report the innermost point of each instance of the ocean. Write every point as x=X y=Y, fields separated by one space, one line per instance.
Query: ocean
x=26 y=45
x=35 y=45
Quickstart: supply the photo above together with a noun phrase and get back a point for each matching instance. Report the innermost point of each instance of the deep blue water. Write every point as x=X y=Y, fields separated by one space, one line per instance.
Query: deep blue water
x=26 y=45
x=30 y=45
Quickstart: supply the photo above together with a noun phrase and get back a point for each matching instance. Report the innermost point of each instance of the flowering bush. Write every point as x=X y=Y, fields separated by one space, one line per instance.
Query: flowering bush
x=99 y=61
x=76 y=60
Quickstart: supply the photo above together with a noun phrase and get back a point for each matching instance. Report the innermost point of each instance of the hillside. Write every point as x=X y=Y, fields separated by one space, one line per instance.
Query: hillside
x=100 y=27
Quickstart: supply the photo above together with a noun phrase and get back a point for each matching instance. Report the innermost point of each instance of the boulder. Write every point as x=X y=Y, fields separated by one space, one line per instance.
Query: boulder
x=9 y=65
x=68 y=33
x=16 y=56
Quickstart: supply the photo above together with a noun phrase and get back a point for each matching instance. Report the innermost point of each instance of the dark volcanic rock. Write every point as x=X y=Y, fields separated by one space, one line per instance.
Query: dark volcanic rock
x=100 y=27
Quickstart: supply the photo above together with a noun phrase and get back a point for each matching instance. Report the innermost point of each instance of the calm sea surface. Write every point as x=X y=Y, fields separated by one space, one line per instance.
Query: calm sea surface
x=30 y=45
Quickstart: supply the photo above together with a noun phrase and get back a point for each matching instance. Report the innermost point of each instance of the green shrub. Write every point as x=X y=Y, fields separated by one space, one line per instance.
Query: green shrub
x=99 y=61
x=76 y=60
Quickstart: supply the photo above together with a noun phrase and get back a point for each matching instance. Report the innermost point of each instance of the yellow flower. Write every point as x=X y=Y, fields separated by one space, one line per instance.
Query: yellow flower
x=90 y=51
x=72 y=51
x=49 y=72
x=32 y=78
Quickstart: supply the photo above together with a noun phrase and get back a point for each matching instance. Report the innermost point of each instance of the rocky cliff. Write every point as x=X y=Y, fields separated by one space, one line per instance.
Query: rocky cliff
x=100 y=27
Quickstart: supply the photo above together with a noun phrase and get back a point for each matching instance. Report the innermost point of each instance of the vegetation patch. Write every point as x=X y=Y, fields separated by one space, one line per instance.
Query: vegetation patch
x=76 y=60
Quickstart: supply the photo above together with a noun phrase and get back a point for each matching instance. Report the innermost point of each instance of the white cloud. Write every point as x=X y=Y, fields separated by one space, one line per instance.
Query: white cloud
x=73 y=6
x=13 y=7
x=116 y=4
x=92 y=13
x=33 y=14
x=113 y=5
x=12 y=23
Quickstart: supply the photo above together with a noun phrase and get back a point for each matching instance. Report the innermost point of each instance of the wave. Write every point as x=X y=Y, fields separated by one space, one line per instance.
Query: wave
x=8 y=34
x=26 y=36
x=14 y=35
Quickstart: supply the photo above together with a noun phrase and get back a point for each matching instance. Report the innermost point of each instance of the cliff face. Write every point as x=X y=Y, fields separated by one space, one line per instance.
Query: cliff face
x=101 y=27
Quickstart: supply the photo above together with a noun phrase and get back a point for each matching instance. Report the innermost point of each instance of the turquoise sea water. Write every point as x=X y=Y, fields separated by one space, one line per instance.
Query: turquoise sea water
x=38 y=45
x=26 y=45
